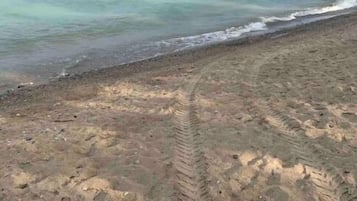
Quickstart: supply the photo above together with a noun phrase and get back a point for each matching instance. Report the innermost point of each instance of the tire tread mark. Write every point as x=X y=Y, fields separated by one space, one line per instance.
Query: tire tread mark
x=190 y=163
x=330 y=185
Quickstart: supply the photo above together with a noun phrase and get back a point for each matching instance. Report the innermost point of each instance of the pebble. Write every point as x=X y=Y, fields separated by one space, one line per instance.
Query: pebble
x=66 y=199
x=22 y=186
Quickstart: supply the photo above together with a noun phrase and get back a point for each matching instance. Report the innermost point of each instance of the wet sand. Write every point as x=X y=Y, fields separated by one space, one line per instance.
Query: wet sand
x=276 y=118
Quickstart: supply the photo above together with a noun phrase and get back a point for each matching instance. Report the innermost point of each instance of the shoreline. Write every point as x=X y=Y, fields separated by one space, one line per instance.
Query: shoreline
x=272 y=26
x=189 y=55
x=41 y=67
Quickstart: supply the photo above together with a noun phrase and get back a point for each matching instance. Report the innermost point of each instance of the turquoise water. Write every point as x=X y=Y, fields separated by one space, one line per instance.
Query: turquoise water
x=44 y=37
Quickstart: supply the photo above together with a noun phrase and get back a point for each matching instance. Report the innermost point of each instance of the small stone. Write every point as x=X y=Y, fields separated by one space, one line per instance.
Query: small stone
x=137 y=161
x=28 y=138
x=18 y=115
x=247 y=118
x=57 y=104
x=23 y=186
x=65 y=199
x=235 y=156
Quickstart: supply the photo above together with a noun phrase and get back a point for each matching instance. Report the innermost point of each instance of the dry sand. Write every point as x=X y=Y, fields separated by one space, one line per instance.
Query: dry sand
x=277 y=118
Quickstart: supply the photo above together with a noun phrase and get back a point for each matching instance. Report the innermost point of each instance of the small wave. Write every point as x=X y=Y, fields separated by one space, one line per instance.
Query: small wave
x=183 y=43
x=215 y=37
x=339 y=5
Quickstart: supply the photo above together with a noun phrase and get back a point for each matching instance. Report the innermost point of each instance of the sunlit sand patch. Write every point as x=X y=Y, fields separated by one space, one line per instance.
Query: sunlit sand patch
x=22 y=179
x=90 y=189
x=2 y=120
x=338 y=128
x=275 y=165
x=87 y=132
x=206 y=103
x=247 y=156
x=121 y=108
x=258 y=174
x=133 y=90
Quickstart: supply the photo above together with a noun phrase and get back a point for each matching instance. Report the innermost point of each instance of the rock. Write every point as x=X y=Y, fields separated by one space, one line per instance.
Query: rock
x=22 y=85
x=235 y=157
x=65 y=199
x=247 y=118
x=23 y=186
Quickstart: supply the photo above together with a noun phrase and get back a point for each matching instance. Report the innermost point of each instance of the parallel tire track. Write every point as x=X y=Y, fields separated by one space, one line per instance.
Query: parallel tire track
x=329 y=183
x=327 y=180
x=190 y=164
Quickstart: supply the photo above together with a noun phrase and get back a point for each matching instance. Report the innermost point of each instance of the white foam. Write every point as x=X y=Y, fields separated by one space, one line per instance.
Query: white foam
x=255 y=26
x=236 y=32
x=339 y=5
x=218 y=36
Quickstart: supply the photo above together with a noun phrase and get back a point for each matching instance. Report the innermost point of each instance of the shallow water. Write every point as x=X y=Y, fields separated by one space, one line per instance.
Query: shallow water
x=43 y=38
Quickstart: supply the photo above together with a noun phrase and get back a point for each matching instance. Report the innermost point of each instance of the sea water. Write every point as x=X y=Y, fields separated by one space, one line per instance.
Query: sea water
x=40 y=39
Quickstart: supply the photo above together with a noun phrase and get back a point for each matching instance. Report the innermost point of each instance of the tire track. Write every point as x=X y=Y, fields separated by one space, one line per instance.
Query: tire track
x=190 y=163
x=327 y=180
x=329 y=183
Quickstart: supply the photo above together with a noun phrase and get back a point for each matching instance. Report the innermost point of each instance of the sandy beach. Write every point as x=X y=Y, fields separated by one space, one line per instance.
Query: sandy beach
x=270 y=118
